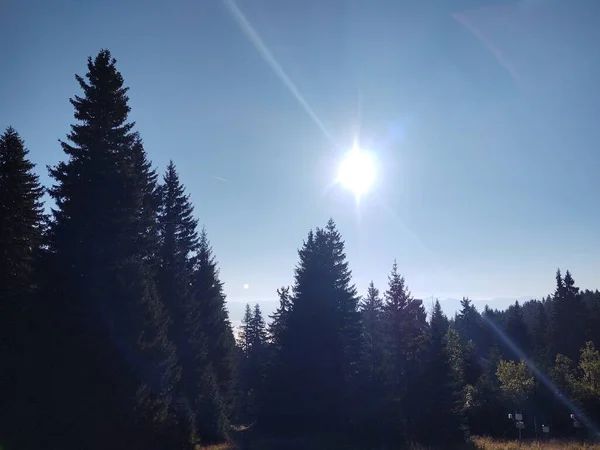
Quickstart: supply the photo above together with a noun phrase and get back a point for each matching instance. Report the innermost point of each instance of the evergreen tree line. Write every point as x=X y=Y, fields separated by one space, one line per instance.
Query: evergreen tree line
x=114 y=331
x=382 y=371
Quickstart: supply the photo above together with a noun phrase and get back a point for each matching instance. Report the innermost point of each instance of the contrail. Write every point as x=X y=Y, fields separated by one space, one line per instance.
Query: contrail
x=221 y=179
x=260 y=46
x=502 y=59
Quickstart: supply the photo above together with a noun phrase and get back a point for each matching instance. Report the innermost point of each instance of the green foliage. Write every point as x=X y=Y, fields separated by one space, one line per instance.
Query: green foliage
x=516 y=382
x=456 y=354
x=589 y=365
x=581 y=383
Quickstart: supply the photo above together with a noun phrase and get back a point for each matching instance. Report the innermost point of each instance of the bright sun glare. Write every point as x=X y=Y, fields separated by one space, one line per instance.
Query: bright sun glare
x=357 y=171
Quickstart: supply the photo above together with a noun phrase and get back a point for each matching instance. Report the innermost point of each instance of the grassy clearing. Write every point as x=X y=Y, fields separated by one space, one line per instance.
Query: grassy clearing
x=491 y=444
x=218 y=447
x=478 y=443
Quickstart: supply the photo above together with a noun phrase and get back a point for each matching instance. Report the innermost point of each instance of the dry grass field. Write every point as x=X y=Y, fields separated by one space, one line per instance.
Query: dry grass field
x=477 y=444
x=491 y=444
x=246 y=440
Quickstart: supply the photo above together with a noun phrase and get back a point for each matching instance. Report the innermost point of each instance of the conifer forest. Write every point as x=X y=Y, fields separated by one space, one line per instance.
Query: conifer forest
x=115 y=332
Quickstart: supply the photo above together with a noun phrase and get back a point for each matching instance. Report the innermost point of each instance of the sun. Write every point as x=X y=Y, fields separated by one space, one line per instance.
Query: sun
x=357 y=171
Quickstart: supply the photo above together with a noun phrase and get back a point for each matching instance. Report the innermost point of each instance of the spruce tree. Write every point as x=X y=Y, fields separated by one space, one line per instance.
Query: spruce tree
x=468 y=322
x=179 y=243
x=246 y=332
x=489 y=336
x=213 y=320
x=405 y=322
x=568 y=318
x=21 y=229
x=592 y=301
x=103 y=240
x=517 y=332
x=275 y=371
x=321 y=343
x=21 y=222
x=441 y=421
x=371 y=396
x=540 y=337
x=279 y=318
x=469 y=325
x=245 y=367
x=259 y=332
x=255 y=335
x=371 y=309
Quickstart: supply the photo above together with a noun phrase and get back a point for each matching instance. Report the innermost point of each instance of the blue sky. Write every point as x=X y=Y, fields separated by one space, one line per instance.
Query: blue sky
x=485 y=119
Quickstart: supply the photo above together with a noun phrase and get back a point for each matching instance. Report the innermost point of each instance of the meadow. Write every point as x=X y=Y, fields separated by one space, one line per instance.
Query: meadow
x=477 y=443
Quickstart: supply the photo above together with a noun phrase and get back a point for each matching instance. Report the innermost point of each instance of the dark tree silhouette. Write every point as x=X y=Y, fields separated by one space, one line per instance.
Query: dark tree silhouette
x=21 y=233
x=442 y=422
x=468 y=321
x=103 y=241
x=405 y=325
x=320 y=345
x=213 y=319
x=278 y=325
x=371 y=309
x=516 y=330
x=567 y=310
x=198 y=404
x=253 y=341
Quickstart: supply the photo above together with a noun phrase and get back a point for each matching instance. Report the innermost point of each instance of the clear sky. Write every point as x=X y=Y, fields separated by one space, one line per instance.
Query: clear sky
x=485 y=120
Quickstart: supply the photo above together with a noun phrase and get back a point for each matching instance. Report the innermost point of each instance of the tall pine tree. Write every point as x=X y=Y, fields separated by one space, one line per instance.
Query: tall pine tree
x=21 y=221
x=279 y=318
x=441 y=420
x=468 y=321
x=567 y=329
x=253 y=340
x=199 y=403
x=178 y=244
x=517 y=332
x=103 y=240
x=371 y=309
x=405 y=322
x=539 y=334
x=213 y=320
x=320 y=347
x=246 y=332
x=21 y=229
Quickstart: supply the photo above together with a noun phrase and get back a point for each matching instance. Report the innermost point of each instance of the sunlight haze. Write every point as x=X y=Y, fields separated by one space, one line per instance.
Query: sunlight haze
x=488 y=139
